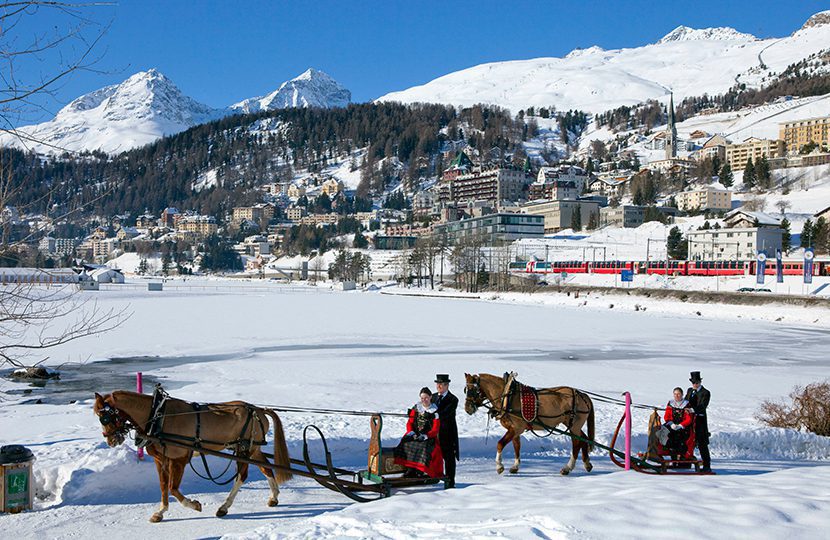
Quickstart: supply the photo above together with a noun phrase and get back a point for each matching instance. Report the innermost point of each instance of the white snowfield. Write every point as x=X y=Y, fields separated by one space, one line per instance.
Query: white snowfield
x=309 y=346
x=148 y=106
x=687 y=62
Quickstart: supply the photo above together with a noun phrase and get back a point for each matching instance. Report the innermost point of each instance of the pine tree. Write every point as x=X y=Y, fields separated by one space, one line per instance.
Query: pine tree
x=360 y=241
x=593 y=221
x=576 y=219
x=142 y=267
x=807 y=234
x=676 y=245
x=726 y=176
x=750 y=178
x=786 y=237
x=762 y=173
x=820 y=236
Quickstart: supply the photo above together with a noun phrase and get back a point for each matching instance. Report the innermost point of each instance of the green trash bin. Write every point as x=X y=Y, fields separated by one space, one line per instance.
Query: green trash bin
x=16 y=478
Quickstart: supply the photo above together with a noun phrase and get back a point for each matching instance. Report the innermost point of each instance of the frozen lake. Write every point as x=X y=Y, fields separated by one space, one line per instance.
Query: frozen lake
x=276 y=346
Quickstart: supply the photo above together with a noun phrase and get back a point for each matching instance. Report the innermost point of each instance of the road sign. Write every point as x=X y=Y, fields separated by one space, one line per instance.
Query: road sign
x=627 y=275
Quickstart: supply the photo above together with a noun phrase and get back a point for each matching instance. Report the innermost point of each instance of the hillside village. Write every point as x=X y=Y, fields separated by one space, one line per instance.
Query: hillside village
x=722 y=187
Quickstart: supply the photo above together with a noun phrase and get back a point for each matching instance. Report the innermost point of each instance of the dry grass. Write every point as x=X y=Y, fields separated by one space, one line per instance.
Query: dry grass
x=810 y=410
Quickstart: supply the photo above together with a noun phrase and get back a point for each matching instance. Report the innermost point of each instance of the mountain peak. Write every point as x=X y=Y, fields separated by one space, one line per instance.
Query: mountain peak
x=595 y=49
x=720 y=33
x=819 y=19
x=312 y=88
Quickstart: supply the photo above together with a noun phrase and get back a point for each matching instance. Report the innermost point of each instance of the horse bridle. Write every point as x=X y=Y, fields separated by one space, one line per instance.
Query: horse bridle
x=473 y=392
x=110 y=416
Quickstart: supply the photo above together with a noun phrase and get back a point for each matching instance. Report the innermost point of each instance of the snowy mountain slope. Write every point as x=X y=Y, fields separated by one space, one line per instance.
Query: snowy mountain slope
x=313 y=88
x=148 y=106
x=138 y=111
x=686 y=61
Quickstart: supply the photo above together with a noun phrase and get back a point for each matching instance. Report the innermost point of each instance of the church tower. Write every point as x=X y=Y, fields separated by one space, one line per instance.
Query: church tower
x=671 y=132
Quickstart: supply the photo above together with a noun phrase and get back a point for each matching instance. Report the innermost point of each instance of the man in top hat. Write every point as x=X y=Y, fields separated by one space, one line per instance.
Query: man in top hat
x=447 y=403
x=698 y=398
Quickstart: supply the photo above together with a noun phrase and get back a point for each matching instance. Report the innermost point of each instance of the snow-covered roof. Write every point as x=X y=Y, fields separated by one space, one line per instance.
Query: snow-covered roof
x=761 y=217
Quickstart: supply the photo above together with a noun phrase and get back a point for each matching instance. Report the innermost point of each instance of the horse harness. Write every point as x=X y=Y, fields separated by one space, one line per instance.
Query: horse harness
x=154 y=430
x=529 y=399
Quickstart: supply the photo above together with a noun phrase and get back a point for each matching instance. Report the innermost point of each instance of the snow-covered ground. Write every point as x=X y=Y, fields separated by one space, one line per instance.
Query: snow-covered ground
x=276 y=345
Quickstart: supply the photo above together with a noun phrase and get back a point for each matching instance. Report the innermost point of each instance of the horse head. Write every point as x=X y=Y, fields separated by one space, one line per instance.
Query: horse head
x=113 y=421
x=475 y=397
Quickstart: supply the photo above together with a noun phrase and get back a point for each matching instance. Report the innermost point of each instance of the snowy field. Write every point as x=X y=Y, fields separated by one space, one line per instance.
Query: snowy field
x=277 y=345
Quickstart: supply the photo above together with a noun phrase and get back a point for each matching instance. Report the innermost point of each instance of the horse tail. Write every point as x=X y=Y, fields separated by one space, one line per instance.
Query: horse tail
x=281 y=457
x=591 y=426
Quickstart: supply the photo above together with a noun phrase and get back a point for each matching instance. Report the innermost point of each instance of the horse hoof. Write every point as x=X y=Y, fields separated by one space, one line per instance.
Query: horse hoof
x=221 y=512
x=589 y=467
x=155 y=518
x=514 y=470
x=273 y=502
x=565 y=471
x=197 y=506
x=499 y=469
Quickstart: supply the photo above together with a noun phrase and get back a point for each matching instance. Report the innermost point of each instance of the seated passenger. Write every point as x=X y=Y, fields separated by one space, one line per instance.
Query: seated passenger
x=675 y=436
x=419 y=449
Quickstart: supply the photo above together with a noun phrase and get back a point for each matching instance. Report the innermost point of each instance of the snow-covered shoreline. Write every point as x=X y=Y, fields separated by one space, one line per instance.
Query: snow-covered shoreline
x=371 y=351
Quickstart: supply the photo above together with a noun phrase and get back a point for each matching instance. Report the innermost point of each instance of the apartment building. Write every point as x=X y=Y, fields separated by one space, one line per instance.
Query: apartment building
x=706 y=198
x=797 y=133
x=489 y=185
x=492 y=228
x=559 y=214
x=753 y=147
x=733 y=244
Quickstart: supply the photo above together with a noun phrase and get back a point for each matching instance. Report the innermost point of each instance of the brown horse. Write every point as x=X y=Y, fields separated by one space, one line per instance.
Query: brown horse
x=232 y=425
x=558 y=405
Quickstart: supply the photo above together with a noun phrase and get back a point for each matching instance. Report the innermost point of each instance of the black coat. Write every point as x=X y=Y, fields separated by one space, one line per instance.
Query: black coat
x=699 y=400
x=448 y=430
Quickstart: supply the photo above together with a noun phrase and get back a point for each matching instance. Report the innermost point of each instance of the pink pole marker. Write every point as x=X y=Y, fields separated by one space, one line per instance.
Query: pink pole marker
x=139 y=387
x=627 y=431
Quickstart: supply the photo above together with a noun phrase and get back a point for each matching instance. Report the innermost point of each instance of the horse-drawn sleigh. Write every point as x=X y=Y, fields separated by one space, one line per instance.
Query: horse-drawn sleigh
x=173 y=431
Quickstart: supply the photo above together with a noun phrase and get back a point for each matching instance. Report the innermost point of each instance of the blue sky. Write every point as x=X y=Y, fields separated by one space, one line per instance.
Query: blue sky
x=220 y=52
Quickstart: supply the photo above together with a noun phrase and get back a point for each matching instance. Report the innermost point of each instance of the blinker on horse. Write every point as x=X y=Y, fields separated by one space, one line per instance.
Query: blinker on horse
x=234 y=425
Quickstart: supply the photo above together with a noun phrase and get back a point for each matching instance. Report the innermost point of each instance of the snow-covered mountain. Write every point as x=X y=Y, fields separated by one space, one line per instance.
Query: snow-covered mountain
x=311 y=89
x=115 y=118
x=688 y=62
x=148 y=106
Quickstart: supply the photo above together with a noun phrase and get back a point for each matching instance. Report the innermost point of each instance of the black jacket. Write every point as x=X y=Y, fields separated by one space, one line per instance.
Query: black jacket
x=699 y=400
x=448 y=430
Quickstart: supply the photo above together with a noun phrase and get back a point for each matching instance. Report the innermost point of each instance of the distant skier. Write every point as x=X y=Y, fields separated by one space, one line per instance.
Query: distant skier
x=698 y=398
x=447 y=403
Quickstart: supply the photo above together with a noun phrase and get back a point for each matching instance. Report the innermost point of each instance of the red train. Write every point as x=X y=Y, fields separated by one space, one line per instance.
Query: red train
x=821 y=267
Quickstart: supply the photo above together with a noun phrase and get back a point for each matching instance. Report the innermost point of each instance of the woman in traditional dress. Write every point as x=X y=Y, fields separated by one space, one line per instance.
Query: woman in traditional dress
x=419 y=450
x=678 y=421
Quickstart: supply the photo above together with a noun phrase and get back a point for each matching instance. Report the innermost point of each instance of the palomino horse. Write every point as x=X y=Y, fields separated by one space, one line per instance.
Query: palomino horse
x=558 y=405
x=232 y=425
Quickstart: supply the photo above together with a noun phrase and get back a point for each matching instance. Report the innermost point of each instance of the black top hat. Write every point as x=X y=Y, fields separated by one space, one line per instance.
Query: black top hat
x=695 y=377
x=442 y=378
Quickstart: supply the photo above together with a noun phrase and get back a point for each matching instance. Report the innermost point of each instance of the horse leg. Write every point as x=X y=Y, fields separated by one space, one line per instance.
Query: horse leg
x=586 y=453
x=500 y=446
x=241 y=476
x=161 y=468
x=517 y=448
x=571 y=462
x=177 y=467
x=269 y=475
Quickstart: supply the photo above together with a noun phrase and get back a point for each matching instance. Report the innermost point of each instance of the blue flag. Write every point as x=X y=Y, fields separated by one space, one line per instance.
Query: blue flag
x=779 y=266
x=808 y=265
x=761 y=267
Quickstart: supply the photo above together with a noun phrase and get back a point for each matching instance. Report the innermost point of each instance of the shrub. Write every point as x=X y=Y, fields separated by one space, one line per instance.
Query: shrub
x=810 y=410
